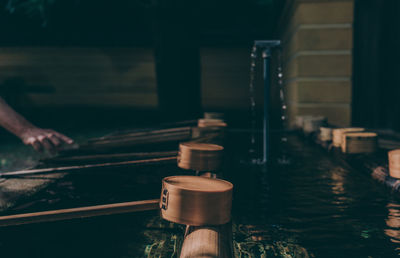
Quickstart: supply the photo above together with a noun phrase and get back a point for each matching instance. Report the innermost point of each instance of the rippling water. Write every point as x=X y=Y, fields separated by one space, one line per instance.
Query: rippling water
x=317 y=204
x=311 y=207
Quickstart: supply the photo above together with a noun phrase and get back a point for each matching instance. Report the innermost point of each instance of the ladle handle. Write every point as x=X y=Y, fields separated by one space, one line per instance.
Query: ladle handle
x=81 y=212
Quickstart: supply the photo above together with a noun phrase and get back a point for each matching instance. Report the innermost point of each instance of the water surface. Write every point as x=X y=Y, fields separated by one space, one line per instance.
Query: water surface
x=313 y=206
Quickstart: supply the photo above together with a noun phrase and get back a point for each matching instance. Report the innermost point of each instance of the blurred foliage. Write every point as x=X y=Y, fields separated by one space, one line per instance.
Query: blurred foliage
x=39 y=7
x=31 y=8
x=132 y=22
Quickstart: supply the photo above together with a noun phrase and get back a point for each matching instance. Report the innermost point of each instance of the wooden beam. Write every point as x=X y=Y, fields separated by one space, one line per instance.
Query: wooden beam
x=93 y=157
x=81 y=212
x=139 y=138
x=145 y=139
x=144 y=132
x=80 y=167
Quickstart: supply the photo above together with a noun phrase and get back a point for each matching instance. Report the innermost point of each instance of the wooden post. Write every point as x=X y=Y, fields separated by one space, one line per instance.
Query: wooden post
x=362 y=142
x=208 y=242
x=337 y=134
x=394 y=163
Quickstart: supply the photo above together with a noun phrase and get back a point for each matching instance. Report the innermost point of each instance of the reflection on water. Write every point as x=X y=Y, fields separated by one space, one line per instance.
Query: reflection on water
x=393 y=224
x=310 y=207
x=315 y=205
x=337 y=183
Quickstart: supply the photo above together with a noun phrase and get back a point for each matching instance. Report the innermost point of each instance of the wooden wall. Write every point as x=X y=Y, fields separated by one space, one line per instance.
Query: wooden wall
x=118 y=77
x=317 y=44
x=317 y=40
x=105 y=77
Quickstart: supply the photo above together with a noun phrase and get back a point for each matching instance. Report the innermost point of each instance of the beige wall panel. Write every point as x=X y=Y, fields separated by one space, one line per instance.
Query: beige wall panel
x=317 y=64
x=316 y=38
x=332 y=65
x=319 y=12
x=318 y=41
x=320 y=91
x=327 y=12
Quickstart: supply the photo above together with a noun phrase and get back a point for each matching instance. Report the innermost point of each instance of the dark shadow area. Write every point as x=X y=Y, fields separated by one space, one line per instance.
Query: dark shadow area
x=376 y=53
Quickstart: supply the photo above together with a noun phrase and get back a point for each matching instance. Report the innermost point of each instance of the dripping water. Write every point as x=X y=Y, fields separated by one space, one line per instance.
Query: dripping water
x=283 y=158
x=254 y=157
x=252 y=150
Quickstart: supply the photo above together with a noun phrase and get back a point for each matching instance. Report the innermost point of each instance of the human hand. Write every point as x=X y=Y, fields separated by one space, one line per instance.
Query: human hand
x=45 y=139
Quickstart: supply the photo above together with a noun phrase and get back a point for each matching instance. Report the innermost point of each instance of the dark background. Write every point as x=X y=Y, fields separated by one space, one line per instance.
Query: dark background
x=376 y=76
x=136 y=22
x=174 y=29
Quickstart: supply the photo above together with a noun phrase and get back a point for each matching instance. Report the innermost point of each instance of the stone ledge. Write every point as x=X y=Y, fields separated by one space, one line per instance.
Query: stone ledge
x=14 y=190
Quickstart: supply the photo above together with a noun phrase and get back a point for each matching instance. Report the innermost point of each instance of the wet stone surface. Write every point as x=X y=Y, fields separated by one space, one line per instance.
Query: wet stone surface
x=307 y=206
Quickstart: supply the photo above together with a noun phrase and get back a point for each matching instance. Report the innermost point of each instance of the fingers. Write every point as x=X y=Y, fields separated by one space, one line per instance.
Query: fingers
x=35 y=143
x=54 y=139
x=46 y=143
x=37 y=146
x=42 y=139
x=63 y=138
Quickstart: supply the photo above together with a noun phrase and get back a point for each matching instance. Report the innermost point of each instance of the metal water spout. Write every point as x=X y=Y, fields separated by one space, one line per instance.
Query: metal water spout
x=266 y=46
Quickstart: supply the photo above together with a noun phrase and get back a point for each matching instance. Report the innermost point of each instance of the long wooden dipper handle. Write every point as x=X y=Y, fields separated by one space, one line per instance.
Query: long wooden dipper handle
x=74 y=168
x=81 y=212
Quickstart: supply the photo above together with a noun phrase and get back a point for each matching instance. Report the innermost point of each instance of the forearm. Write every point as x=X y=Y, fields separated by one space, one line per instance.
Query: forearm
x=12 y=121
x=38 y=138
